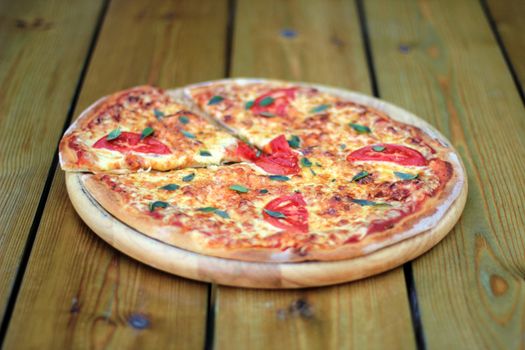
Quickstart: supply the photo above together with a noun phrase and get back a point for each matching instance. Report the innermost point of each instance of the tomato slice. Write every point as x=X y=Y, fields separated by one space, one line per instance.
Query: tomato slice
x=131 y=141
x=278 y=159
x=293 y=207
x=388 y=153
x=279 y=106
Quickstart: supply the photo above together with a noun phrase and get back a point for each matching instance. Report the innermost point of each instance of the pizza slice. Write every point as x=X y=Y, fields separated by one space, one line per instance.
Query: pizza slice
x=142 y=128
x=238 y=212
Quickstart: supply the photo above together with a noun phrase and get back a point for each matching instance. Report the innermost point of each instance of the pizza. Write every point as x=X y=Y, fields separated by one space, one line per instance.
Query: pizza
x=299 y=172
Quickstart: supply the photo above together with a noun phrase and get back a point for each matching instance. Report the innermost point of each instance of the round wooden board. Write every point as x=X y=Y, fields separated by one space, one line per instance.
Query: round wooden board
x=270 y=275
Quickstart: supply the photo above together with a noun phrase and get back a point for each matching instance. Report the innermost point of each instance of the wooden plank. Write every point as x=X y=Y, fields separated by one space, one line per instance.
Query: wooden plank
x=440 y=60
x=317 y=42
x=508 y=17
x=78 y=292
x=42 y=50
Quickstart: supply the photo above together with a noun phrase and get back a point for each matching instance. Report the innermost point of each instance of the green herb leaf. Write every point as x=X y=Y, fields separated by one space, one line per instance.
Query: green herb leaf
x=158 y=114
x=306 y=162
x=214 y=100
x=239 y=188
x=114 y=134
x=313 y=172
x=342 y=146
x=188 y=177
x=249 y=104
x=362 y=129
x=146 y=132
x=279 y=178
x=378 y=148
x=157 y=204
x=205 y=153
x=405 y=176
x=266 y=101
x=170 y=187
x=319 y=164
x=187 y=134
x=360 y=175
x=294 y=141
x=263 y=191
x=275 y=214
x=207 y=209
x=364 y=202
x=258 y=153
x=184 y=119
x=267 y=114
x=223 y=214
x=320 y=108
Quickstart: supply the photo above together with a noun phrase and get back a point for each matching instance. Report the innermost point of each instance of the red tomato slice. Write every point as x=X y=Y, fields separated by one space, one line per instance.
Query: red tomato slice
x=245 y=152
x=279 y=158
x=130 y=141
x=391 y=153
x=282 y=98
x=293 y=207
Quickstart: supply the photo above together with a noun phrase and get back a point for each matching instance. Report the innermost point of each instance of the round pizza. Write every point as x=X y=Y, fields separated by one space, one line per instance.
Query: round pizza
x=263 y=170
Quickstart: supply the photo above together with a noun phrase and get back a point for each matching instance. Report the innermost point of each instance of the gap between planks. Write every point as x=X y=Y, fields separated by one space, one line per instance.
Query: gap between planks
x=503 y=49
x=49 y=179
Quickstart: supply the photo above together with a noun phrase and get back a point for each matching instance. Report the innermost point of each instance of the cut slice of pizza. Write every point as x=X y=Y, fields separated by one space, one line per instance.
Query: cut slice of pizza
x=238 y=212
x=316 y=123
x=142 y=128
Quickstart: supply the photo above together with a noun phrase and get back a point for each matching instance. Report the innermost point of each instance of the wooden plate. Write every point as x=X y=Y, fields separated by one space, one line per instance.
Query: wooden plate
x=270 y=275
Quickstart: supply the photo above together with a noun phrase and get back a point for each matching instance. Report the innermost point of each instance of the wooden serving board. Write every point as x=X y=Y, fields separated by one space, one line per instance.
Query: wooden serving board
x=188 y=264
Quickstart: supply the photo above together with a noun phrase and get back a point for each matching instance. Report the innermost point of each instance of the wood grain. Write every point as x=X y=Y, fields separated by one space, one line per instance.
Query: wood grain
x=316 y=42
x=42 y=51
x=508 y=17
x=77 y=291
x=440 y=60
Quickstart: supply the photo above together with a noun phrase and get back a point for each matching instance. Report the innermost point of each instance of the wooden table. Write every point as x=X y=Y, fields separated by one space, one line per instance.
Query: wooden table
x=458 y=64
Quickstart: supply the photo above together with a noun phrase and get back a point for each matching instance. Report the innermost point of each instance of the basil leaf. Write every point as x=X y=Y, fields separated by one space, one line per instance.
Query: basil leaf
x=187 y=134
x=222 y=214
x=342 y=146
x=267 y=114
x=313 y=172
x=114 y=134
x=361 y=129
x=378 y=148
x=364 y=202
x=266 y=101
x=146 y=132
x=306 y=162
x=214 y=100
x=405 y=176
x=258 y=153
x=170 y=187
x=157 y=204
x=320 y=108
x=158 y=114
x=207 y=209
x=279 y=178
x=205 y=153
x=360 y=175
x=183 y=119
x=275 y=214
x=239 y=188
x=249 y=104
x=188 y=177
x=294 y=141
x=263 y=191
